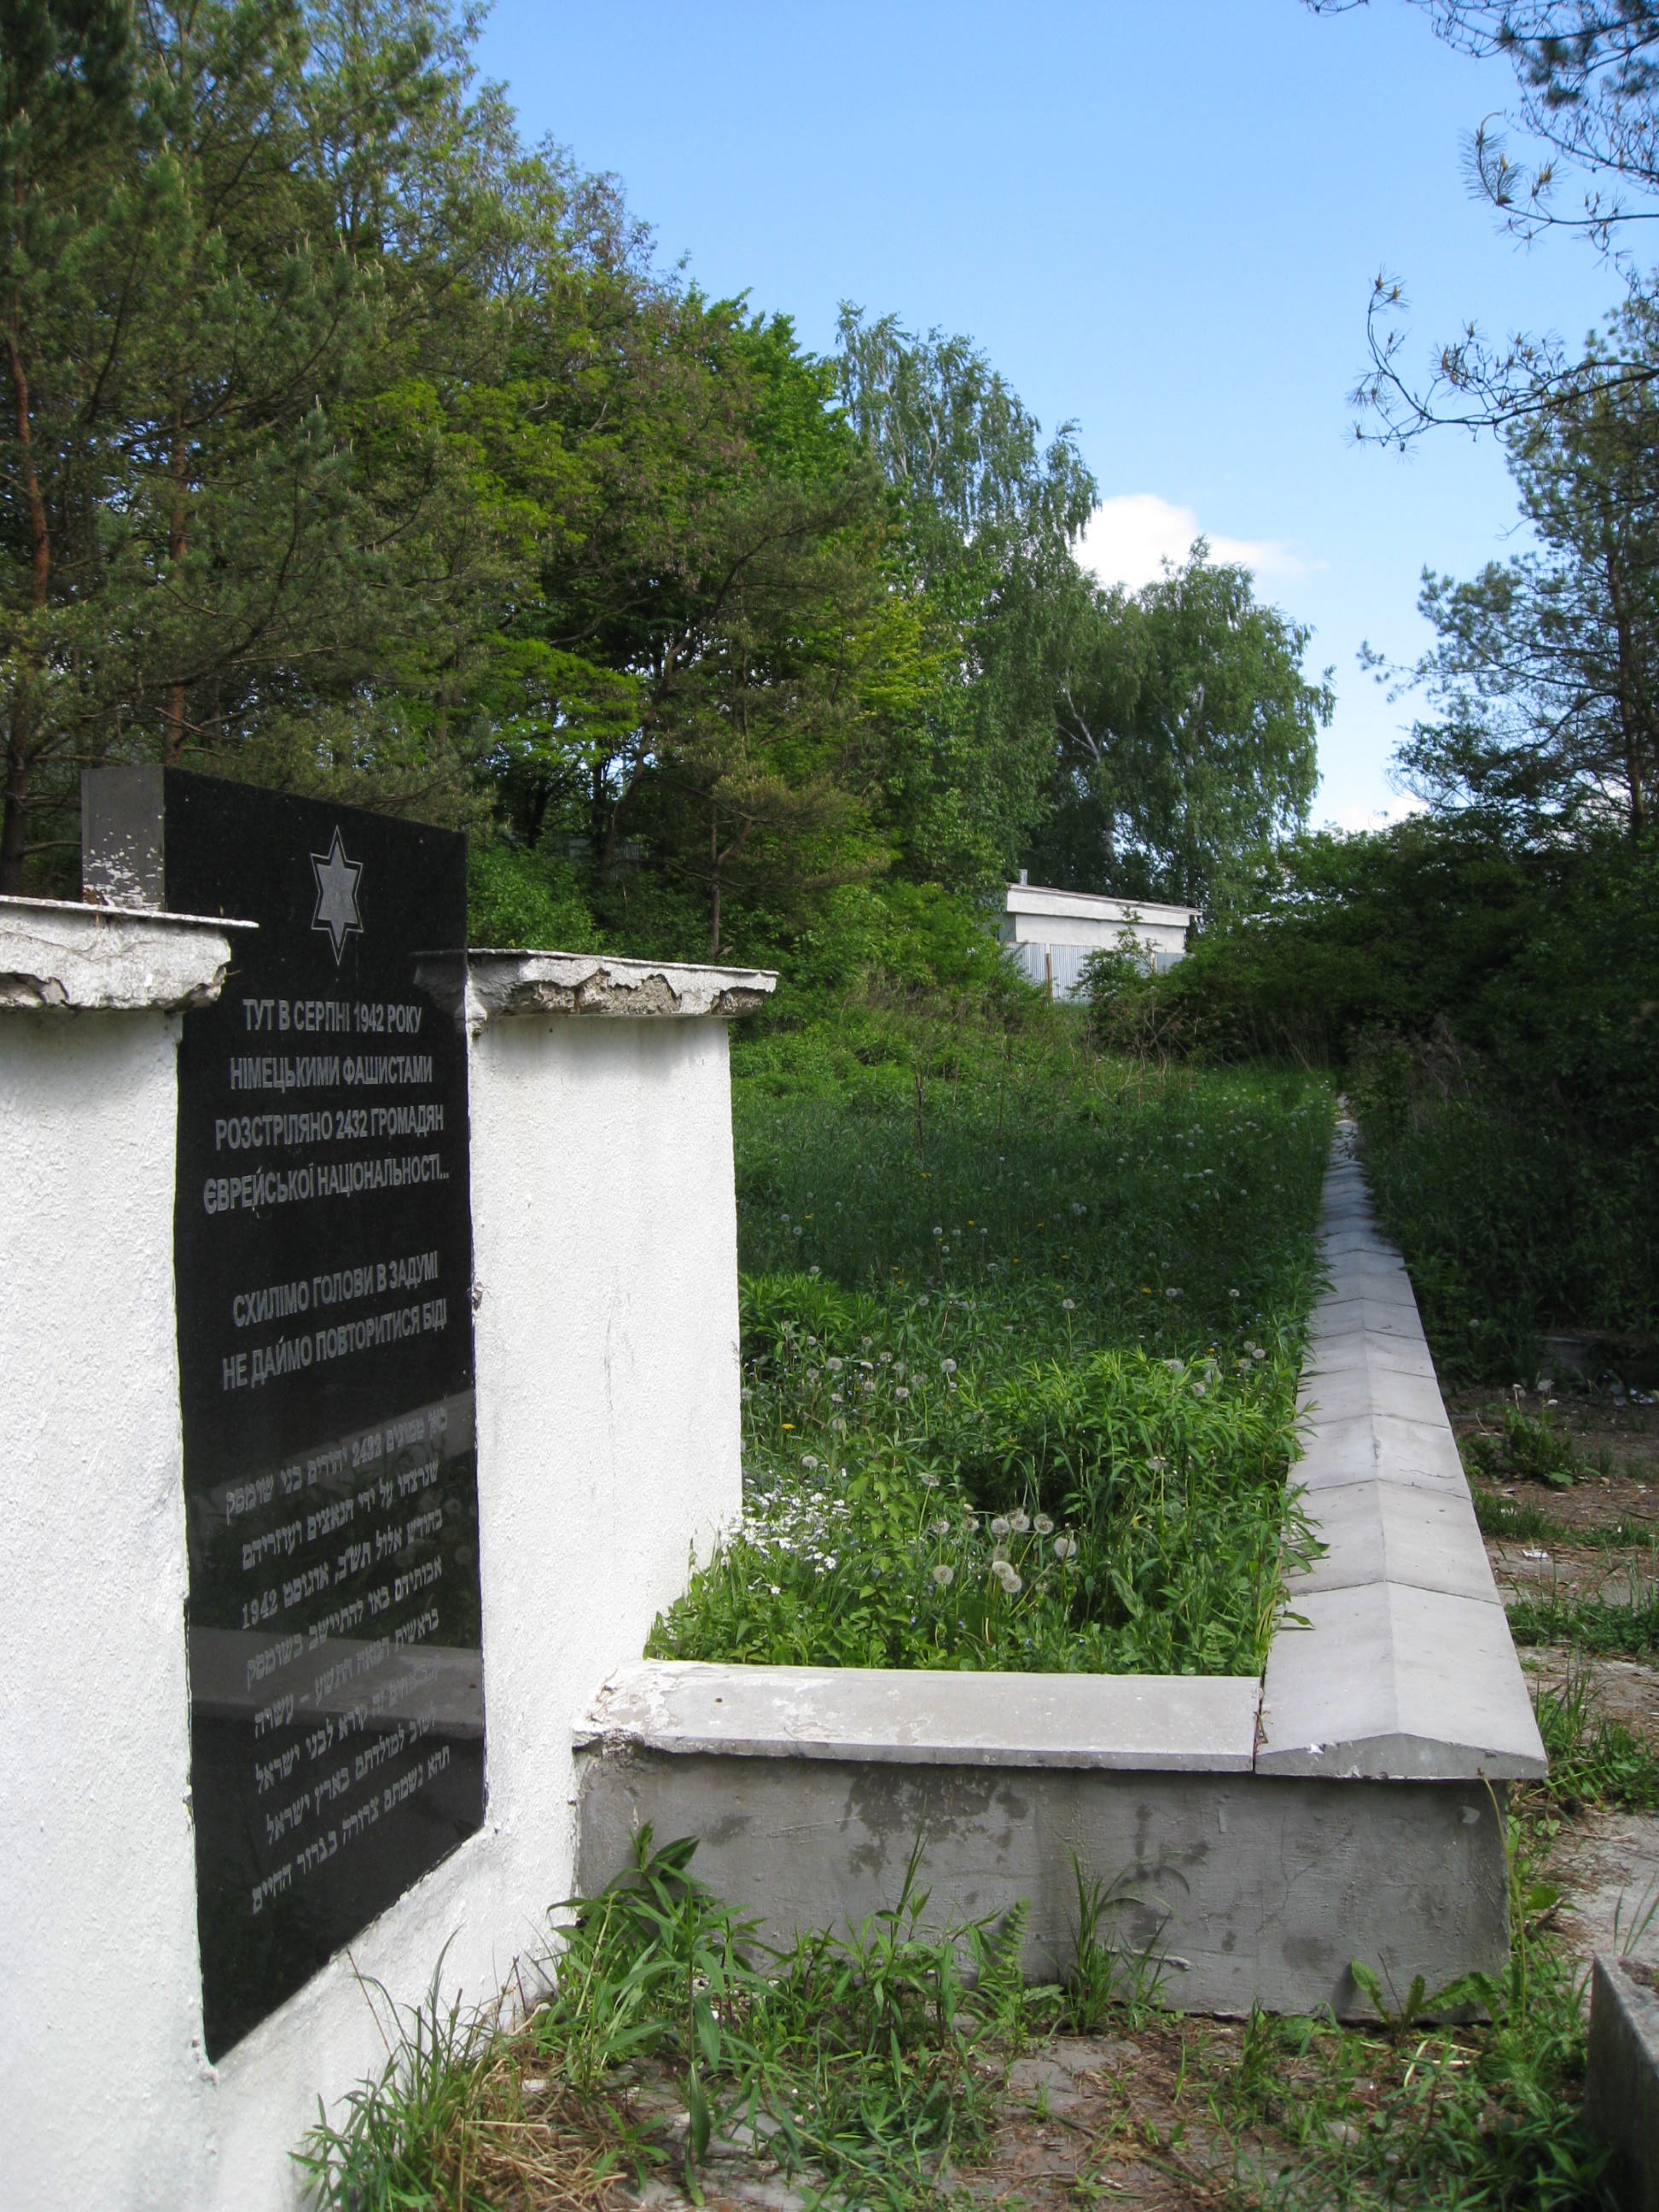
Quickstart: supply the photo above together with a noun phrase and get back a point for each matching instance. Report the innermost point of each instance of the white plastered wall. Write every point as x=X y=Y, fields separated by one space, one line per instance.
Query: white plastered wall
x=606 y=1332
x=99 y=1993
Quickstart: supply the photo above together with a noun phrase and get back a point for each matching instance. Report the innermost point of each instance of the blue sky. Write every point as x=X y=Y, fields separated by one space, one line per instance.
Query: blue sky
x=1160 y=218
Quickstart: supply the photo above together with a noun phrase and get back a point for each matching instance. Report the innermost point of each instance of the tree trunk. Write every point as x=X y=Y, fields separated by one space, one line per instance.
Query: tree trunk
x=17 y=735
x=17 y=787
x=173 y=718
x=1633 y=723
x=715 y=883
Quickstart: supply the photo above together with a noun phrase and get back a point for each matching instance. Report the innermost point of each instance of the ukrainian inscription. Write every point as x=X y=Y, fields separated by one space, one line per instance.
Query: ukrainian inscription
x=323 y=1254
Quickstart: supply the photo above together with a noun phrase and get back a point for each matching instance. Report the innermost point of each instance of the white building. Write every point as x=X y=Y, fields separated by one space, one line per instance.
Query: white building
x=1049 y=935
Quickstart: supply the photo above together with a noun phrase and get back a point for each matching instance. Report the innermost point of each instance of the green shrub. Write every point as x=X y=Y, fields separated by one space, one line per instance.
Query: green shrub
x=516 y=898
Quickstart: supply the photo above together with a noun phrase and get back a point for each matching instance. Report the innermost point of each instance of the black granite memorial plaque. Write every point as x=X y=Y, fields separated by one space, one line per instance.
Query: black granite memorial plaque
x=322 y=1255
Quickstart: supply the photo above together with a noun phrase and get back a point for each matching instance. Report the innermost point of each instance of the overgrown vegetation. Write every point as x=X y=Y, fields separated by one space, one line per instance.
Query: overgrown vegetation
x=1609 y=1625
x=1489 y=1003
x=1518 y=1522
x=869 y=2069
x=865 y=2062
x=1594 y=1760
x=1021 y=1331
x=1528 y=1448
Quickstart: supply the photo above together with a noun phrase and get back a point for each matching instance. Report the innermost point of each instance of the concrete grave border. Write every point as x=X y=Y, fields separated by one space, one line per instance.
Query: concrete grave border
x=1264 y=1833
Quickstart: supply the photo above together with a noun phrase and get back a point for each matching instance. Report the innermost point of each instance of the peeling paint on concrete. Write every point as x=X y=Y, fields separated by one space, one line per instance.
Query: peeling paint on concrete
x=505 y=984
x=59 y=957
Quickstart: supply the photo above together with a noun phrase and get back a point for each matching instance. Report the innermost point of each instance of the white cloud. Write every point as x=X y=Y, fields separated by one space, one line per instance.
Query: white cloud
x=1127 y=539
x=1354 y=819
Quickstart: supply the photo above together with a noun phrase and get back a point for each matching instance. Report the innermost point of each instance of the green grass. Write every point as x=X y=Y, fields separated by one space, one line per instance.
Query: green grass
x=858 y=2059
x=1593 y=1760
x=1602 y=1627
x=868 y=2067
x=1514 y=1522
x=1021 y=1331
x=1529 y=1448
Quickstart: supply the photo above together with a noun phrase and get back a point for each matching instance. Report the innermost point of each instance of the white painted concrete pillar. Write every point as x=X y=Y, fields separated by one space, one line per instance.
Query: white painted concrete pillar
x=604 y=1244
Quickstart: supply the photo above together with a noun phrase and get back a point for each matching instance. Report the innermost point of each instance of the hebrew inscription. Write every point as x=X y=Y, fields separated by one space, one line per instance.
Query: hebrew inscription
x=323 y=1258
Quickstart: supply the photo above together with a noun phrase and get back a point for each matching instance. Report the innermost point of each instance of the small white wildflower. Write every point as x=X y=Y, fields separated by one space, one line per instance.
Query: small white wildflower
x=1232 y=1294
x=947 y=1367
x=938 y=1232
x=807 y=1459
x=999 y=1526
x=1044 y=1525
x=1068 y=1305
x=830 y=1563
x=1019 y=1522
x=900 y=1392
x=1258 y=1353
x=834 y=1365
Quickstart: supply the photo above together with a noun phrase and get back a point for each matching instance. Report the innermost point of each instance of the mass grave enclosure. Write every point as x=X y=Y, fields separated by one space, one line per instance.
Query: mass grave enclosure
x=500 y=1414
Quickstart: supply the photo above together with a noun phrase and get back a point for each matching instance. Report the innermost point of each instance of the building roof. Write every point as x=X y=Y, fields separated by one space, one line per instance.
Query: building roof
x=1087 y=906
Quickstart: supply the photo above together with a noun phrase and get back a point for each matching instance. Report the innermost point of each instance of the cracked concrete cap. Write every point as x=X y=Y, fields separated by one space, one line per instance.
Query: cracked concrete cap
x=502 y=984
x=1150 y=1723
x=56 y=955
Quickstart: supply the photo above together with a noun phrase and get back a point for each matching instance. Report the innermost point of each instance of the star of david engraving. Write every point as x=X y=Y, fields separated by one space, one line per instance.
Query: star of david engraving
x=337 y=894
